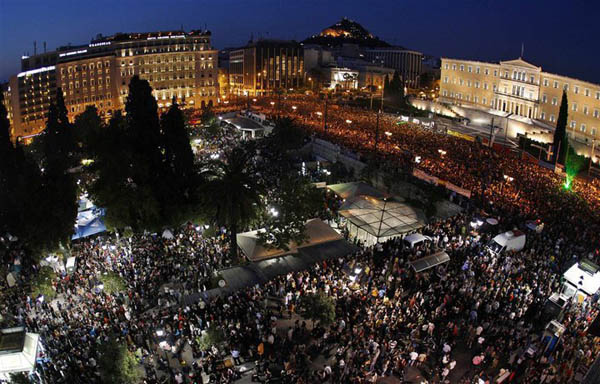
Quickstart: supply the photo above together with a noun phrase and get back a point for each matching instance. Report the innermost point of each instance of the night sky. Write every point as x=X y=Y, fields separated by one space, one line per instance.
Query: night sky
x=561 y=36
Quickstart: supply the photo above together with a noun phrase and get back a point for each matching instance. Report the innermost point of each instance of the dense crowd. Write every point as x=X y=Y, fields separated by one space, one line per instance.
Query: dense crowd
x=476 y=317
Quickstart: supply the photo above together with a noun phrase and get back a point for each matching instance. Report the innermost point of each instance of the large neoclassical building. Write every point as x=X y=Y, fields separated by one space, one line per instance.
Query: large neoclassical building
x=522 y=89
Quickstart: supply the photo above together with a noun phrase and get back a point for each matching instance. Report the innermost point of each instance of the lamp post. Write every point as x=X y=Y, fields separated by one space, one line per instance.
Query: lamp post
x=591 y=157
x=325 y=115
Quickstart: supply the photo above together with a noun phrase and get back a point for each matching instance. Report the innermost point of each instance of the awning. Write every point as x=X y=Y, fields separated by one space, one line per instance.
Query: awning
x=356 y=188
x=317 y=232
x=430 y=261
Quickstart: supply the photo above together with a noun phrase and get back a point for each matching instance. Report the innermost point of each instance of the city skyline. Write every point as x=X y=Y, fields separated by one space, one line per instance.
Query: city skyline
x=425 y=29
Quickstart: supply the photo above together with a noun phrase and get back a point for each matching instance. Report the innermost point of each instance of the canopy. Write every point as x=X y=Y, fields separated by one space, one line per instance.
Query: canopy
x=585 y=276
x=373 y=220
x=414 y=238
x=430 y=261
x=355 y=188
x=316 y=230
x=18 y=351
x=167 y=234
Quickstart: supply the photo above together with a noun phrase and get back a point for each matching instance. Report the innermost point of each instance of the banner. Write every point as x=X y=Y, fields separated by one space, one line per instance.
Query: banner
x=460 y=135
x=461 y=191
x=434 y=180
x=425 y=176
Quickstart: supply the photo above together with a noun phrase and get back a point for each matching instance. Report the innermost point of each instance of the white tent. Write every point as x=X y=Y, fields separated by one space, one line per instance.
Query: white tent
x=167 y=234
x=18 y=351
x=374 y=220
x=317 y=232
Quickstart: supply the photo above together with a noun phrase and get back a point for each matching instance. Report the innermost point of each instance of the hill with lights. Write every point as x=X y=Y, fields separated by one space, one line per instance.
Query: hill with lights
x=346 y=31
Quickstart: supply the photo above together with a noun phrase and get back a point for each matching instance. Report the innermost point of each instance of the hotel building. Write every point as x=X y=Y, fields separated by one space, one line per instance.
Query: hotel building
x=523 y=90
x=177 y=64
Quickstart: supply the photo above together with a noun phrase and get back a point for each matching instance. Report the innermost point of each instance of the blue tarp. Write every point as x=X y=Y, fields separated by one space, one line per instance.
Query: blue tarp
x=89 y=222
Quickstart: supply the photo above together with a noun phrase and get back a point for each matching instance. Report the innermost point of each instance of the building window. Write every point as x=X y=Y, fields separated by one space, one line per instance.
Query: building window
x=593 y=131
x=485 y=86
x=552 y=118
x=555 y=84
x=544 y=99
x=445 y=93
x=462 y=68
x=446 y=79
x=573 y=124
x=495 y=72
x=477 y=70
x=460 y=81
x=554 y=101
x=585 y=110
x=531 y=79
x=545 y=82
x=576 y=90
x=582 y=128
x=486 y=71
x=468 y=83
x=446 y=66
x=597 y=95
x=587 y=92
x=566 y=87
x=543 y=116
x=470 y=69
x=454 y=67
x=484 y=101
x=574 y=107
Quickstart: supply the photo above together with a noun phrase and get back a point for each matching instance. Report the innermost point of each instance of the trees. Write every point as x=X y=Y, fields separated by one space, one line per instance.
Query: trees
x=560 y=133
x=116 y=364
x=286 y=135
x=294 y=201
x=58 y=204
x=233 y=192
x=317 y=307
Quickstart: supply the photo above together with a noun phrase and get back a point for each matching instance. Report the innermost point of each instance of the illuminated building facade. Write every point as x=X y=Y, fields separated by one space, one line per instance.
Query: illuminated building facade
x=524 y=90
x=177 y=64
x=407 y=63
x=265 y=66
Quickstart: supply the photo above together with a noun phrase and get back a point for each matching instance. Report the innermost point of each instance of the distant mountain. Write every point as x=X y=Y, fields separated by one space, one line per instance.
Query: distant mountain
x=346 y=31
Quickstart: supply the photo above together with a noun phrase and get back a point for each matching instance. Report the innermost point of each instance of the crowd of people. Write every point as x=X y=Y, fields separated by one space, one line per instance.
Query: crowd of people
x=480 y=316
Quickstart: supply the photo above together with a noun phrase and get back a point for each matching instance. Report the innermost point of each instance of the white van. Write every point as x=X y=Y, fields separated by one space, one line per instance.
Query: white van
x=507 y=241
x=415 y=239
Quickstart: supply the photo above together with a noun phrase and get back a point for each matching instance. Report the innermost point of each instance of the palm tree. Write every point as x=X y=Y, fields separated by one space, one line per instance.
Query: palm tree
x=233 y=192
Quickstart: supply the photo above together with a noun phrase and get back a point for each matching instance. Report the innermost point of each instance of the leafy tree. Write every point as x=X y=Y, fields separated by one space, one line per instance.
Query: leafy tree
x=318 y=307
x=233 y=192
x=118 y=365
x=212 y=336
x=59 y=204
x=286 y=135
x=88 y=126
x=560 y=133
x=128 y=202
x=42 y=284
x=113 y=283
x=293 y=201
x=178 y=151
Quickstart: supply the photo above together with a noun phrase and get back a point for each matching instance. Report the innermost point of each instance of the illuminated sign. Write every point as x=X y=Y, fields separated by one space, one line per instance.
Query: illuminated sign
x=34 y=71
x=73 y=53
x=100 y=44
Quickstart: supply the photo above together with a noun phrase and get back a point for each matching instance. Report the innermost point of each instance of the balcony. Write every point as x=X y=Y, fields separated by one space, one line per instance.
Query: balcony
x=520 y=81
x=536 y=101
